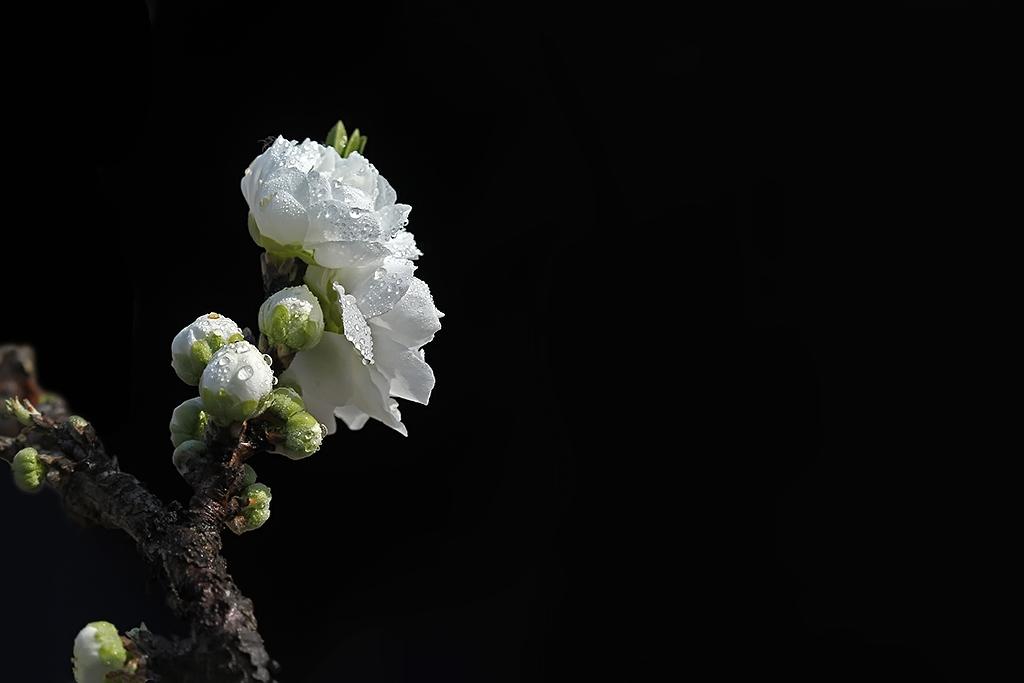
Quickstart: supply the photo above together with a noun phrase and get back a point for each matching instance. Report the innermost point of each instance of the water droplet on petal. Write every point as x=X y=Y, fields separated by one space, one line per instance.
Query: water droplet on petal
x=323 y=429
x=245 y=372
x=273 y=381
x=267 y=359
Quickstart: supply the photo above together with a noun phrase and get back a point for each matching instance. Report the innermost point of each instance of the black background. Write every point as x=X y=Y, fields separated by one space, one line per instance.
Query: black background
x=720 y=298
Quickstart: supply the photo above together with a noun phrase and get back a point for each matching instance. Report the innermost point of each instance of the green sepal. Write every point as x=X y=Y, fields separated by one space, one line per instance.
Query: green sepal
x=201 y=351
x=225 y=408
x=303 y=435
x=283 y=403
x=258 y=495
x=255 y=517
x=337 y=137
x=353 y=143
x=362 y=144
x=111 y=650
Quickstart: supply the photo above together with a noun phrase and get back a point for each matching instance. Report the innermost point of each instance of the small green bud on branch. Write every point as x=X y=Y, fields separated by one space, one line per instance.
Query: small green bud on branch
x=29 y=471
x=255 y=509
x=98 y=651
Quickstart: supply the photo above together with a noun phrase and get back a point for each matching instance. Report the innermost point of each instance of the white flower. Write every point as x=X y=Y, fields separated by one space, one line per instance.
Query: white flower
x=235 y=381
x=378 y=321
x=194 y=345
x=307 y=201
x=293 y=318
x=98 y=651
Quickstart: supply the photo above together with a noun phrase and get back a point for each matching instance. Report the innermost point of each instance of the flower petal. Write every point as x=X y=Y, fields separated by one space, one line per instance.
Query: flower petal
x=356 y=329
x=332 y=220
x=386 y=195
x=352 y=416
x=392 y=219
x=280 y=208
x=403 y=245
x=410 y=376
x=414 y=319
x=331 y=376
x=381 y=290
x=348 y=254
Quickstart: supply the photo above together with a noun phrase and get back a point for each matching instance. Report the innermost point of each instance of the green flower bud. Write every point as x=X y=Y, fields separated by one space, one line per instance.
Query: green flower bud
x=98 y=651
x=185 y=451
x=78 y=423
x=284 y=402
x=235 y=382
x=195 y=345
x=292 y=318
x=255 y=510
x=303 y=436
x=29 y=472
x=258 y=495
x=188 y=421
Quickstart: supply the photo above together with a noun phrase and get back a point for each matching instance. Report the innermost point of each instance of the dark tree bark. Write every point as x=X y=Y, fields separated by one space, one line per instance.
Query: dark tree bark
x=182 y=544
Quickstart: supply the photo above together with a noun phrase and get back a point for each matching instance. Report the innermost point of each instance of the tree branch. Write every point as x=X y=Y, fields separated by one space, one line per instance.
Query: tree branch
x=182 y=545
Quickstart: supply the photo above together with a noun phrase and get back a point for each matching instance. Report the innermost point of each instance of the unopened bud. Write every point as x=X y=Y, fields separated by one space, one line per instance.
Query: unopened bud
x=255 y=509
x=292 y=318
x=235 y=382
x=195 y=345
x=188 y=421
x=29 y=471
x=185 y=452
x=98 y=651
x=303 y=436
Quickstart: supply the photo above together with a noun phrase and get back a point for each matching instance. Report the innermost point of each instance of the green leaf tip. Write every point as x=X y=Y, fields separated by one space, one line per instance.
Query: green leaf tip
x=337 y=137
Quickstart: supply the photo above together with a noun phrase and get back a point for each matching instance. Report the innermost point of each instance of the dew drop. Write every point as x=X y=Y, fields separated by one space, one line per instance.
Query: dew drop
x=267 y=359
x=223 y=360
x=245 y=372
x=273 y=381
x=323 y=429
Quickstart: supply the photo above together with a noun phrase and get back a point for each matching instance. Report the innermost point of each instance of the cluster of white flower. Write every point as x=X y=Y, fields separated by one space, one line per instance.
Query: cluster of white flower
x=353 y=332
x=340 y=216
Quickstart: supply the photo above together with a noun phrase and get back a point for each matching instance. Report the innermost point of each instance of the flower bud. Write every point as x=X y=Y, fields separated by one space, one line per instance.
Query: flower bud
x=284 y=402
x=303 y=436
x=292 y=318
x=234 y=383
x=98 y=651
x=195 y=345
x=255 y=509
x=29 y=472
x=185 y=451
x=188 y=421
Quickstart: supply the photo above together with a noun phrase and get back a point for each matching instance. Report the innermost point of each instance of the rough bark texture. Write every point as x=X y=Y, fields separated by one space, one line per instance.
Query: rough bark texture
x=182 y=544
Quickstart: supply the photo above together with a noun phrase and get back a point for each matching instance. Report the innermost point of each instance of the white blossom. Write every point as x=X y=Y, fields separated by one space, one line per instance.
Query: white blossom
x=306 y=200
x=375 y=354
